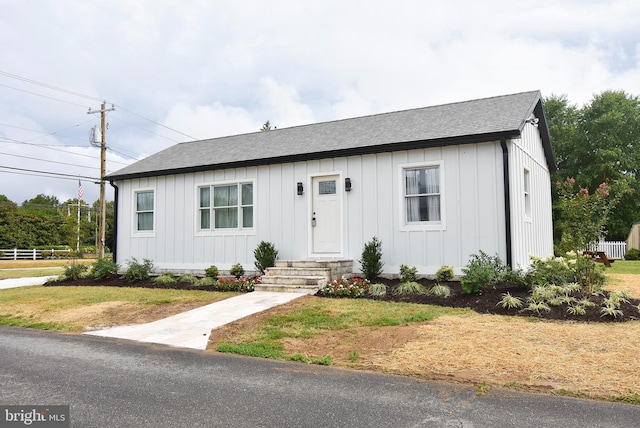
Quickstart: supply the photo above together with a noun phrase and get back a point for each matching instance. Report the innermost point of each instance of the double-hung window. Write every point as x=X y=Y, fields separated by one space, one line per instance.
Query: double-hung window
x=144 y=211
x=422 y=192
x=226 y=206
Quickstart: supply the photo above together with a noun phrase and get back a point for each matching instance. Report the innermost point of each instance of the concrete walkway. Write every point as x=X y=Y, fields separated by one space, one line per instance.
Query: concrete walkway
x=189 y=329
x=192 y=329
x=24 y=282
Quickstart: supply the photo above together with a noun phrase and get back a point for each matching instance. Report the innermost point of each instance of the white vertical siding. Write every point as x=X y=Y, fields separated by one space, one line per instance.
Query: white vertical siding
x=473 y=203
x=531 y=235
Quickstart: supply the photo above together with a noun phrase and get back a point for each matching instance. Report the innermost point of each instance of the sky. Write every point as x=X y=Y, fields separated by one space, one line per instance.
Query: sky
x=197 y=69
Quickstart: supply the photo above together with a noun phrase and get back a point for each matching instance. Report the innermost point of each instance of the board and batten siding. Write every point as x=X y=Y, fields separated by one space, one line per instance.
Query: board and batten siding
x=531 y=234
x=472 y=204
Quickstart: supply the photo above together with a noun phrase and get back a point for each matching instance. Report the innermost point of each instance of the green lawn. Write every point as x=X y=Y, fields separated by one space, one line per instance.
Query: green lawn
x=625 y=267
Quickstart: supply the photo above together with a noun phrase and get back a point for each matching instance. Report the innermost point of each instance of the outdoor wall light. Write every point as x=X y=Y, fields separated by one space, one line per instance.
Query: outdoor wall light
x=300 y=188
x=347 y=184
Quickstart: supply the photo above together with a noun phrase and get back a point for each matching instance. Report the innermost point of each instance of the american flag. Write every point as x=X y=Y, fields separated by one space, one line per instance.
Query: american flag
x=80 y=190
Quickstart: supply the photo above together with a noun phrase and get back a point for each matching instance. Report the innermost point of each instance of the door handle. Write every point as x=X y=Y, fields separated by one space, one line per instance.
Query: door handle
x=313 y=220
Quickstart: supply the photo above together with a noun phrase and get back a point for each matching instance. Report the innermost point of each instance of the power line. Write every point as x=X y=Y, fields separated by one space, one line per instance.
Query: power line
x=46 y=160
x=12 y=141
x=48 y=86
x=49 y=173
x=157 y=123
x=43 y=96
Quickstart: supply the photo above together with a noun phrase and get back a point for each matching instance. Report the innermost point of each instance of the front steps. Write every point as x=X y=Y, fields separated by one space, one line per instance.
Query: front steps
x=306 y=276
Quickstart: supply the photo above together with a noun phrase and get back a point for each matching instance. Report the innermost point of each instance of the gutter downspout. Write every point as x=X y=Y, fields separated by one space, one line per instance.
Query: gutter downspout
x=115 y=222
x=507 y=199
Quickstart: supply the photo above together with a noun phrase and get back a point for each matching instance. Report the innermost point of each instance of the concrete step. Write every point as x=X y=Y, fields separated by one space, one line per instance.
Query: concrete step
x=294 y=280
x=308 y=289
x=299 y=271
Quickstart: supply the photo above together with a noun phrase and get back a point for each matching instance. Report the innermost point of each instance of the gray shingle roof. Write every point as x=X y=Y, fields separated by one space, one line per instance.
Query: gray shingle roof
x=487 y=119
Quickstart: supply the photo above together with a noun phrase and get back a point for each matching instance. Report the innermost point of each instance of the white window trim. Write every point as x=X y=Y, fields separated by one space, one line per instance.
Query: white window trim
x=526 y=192
x=426 y=225
x=224 y=232
x=134 y=220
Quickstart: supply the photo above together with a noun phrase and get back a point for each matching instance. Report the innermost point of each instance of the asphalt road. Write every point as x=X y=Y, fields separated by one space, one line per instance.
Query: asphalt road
x=114 y=383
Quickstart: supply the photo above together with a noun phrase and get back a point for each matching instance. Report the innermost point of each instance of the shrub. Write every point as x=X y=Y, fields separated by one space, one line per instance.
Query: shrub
x=188 y=278
x=74 y=271
x=410 y=288
x=265 y=255
x=243 y=284
x=165 y=279
x=237 y=270
x=206 y=281
x=138 y=271
x=104 y=268
x=408 y=274
x=377 y=290
x=551 y=270
x=482 y=271
x=440 y=290
x=371 y=262
x=632 y=254
x=444 y=274
x=211 y=271
x=346 y=287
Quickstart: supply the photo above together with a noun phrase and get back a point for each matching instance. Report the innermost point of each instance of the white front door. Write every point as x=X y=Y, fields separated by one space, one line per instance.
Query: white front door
x=326 y=212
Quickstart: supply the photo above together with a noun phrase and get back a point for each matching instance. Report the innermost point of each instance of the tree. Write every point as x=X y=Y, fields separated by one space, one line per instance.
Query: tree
x=4 y=201
x=266 y=126
x=42 y=205
x=599 y=142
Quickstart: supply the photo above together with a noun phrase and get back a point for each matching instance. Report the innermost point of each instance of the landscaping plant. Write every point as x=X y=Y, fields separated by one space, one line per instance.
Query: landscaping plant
x=104 y=268
x=211 y=272
x=444 y=274
x=265 y=255
x=346 y=287
x=408 y=274
x=236 y=270
x=482 y=271
x=583 y=216
x=138 y=271
x=371 y=262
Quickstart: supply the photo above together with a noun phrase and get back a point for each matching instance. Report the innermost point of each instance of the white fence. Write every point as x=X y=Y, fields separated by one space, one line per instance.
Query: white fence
x=613 y=249
x=30 y=254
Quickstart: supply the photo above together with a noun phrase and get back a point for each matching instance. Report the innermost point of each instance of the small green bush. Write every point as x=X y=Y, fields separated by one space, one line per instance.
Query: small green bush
x=104 y=268
x=206 y=281
x=188 y=278
x=377 y=290
x=371 y=262
x=265 y=255
x=236 y=270
x=74 y=271
x=444 y=274
x=483 y=271
x=138 y=271
x=632 y=254
x=408 y=274
x=440 y=290
x=211 y=272
x=410 y=288
x=165 y=279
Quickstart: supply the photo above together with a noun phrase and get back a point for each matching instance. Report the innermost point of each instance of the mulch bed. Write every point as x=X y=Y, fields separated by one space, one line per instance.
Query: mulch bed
x=486 y=303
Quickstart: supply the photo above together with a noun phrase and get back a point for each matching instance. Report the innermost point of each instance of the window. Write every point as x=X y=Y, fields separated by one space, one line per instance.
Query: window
x=228 y=206
x=422 y=194
x=527 y=196
x=144 y=211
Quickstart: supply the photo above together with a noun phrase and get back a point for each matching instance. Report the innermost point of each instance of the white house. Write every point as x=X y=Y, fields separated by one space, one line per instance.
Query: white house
x=434 y=184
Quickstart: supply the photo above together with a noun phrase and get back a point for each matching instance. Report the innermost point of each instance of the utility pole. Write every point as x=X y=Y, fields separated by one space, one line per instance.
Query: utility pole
x=103 y=169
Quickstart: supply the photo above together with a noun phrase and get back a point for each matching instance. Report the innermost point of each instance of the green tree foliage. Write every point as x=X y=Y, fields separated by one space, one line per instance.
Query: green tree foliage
x=42 y=205
x=266 y=126
x=599 y=142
